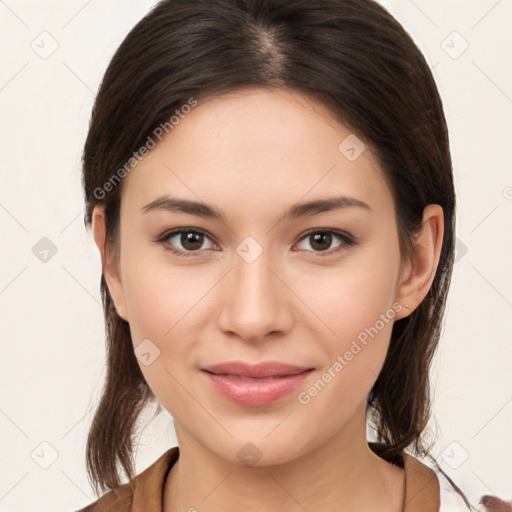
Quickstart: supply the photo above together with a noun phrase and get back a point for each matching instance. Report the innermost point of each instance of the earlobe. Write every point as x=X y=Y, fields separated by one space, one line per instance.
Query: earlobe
x=109 y=261
x=424 y=260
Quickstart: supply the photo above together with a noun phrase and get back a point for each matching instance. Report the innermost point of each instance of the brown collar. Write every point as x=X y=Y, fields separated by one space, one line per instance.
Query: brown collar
x=146 y=493
x=422 y=493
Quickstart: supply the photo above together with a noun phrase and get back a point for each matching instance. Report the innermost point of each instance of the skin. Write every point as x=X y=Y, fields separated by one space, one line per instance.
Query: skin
x=254 y=154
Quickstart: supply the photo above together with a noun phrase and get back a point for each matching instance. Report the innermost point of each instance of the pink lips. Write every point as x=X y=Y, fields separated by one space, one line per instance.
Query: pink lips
x=255 y=385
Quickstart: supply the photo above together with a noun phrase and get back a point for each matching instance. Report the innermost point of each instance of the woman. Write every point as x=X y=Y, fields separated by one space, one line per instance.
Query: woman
x=270 y=187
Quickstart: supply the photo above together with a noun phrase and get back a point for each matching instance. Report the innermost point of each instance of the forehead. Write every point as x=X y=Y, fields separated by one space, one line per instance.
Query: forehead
x=254 y=148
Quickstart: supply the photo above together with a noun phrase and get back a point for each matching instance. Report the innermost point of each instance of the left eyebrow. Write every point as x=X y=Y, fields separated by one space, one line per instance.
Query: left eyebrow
x=324 y=205
x=309 y=208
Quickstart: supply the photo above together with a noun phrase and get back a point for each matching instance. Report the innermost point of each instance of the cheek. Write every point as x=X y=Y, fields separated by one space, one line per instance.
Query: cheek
x=160 y=332
x=355 y=358
x=355 y=297
x=164 y=303
x=160 y=297
x=357 y=354
x=357 y=309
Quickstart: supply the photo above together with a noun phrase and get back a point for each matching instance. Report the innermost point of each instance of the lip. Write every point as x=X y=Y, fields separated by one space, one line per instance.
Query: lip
x=255 y=385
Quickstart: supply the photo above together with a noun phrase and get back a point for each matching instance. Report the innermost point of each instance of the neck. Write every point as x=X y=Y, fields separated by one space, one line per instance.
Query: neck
x=341 y=474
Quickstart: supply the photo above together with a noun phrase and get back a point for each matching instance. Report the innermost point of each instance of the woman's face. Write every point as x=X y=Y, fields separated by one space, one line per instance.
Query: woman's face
x=266 y=279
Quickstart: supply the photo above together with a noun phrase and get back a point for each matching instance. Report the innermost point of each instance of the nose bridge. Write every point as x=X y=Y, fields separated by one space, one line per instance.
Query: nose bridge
x=252 y=302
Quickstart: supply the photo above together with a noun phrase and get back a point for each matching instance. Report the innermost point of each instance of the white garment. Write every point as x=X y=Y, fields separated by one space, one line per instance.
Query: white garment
x=451 y=500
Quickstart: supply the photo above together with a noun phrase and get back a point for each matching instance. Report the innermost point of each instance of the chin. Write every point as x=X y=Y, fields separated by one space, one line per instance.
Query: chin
x=261 y=453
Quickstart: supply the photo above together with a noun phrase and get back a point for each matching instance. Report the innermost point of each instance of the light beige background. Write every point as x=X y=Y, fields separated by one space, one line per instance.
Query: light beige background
x=51 y=323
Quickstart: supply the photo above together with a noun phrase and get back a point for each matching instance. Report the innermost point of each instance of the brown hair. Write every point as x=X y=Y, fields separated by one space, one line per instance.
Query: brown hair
x=352 y=56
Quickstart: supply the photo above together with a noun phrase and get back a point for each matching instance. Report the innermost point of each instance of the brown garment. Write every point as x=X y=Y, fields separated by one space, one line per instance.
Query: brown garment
x=421 y=487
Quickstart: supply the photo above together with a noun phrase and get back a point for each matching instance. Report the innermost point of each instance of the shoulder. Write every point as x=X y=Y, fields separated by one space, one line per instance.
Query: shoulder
x=117 y=500
x=450 y=499
x=144 y=489
x=421 y=491
x=426 y=488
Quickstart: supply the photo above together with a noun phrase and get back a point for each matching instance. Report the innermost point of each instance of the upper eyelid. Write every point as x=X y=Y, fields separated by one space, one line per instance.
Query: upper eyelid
x=343 y=236
x=177 y=231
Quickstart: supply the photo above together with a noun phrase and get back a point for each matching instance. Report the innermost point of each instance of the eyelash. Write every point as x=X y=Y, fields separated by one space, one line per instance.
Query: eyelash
x=347 y=240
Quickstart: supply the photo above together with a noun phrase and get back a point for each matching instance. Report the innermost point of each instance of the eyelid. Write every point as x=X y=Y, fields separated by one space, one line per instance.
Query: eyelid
x=173 y=232
x=347 y=239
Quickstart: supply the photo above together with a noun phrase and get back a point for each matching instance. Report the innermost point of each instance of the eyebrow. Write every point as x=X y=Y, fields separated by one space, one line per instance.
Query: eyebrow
x=309 y=208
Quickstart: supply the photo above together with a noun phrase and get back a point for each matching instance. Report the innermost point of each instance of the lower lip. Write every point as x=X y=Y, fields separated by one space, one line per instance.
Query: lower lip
x=256 y=392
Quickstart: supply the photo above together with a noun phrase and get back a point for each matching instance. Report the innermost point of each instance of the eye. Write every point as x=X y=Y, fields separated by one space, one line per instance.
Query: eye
x=321 y=241
x=191 y=241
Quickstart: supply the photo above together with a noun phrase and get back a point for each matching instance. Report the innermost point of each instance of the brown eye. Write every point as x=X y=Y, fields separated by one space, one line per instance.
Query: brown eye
x=185 y=241
x=191 y=241
x=321 y=241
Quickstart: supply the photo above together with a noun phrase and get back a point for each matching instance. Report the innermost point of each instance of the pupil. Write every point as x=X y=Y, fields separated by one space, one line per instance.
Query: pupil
x=325 y=237
x=190 y=240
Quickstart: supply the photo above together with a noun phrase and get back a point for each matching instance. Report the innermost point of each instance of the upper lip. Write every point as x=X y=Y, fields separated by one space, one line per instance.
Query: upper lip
x=261 y=370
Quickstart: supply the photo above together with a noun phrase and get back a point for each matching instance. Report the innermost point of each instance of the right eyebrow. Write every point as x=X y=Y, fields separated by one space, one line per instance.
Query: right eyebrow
x=183 y=205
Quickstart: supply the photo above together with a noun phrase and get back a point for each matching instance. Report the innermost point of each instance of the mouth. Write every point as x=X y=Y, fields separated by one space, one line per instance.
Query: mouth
x=262 y=370
x=255 y=385
x=251 y=379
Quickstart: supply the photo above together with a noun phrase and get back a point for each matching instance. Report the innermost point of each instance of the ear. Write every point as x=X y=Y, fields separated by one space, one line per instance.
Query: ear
x=109 y=260
x=419 y=272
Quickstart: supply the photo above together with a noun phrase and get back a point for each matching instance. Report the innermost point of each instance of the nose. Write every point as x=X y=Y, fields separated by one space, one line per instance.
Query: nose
x=254 y=301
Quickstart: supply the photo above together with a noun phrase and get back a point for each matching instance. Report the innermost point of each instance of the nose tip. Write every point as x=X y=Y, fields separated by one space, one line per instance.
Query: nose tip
x=252 y=304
